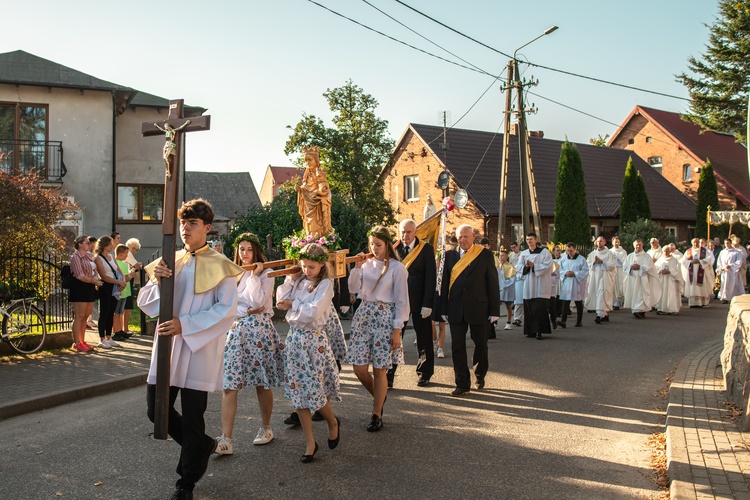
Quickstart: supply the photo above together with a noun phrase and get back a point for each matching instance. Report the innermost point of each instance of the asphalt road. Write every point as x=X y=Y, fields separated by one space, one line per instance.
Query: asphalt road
x=566 y=417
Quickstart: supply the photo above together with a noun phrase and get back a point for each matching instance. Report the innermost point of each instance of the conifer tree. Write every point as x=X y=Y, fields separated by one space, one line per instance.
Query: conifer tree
x=718 y=84
x=708 y=195
x=630 y=196
x=572 y=221
x=643 y=206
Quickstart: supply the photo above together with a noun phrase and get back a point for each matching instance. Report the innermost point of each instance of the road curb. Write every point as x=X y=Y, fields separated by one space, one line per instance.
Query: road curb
x=44 y=402
x=681 y=485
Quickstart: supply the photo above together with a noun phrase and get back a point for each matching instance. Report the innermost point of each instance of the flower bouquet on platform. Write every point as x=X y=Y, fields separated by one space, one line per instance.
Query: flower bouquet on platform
x=294 y=244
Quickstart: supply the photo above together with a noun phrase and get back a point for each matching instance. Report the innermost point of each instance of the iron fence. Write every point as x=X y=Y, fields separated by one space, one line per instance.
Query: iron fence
x=23 y=156
x=37 y=275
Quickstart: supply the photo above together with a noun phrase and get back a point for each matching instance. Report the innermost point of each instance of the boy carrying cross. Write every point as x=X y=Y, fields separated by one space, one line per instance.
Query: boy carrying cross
x=205 y=302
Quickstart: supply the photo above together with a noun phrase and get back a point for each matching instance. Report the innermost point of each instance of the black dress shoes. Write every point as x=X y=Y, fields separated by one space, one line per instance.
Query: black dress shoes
x=317 y=417
x=579 y=324
x=306 y=459
x=598 y=320
x=480 y=383
x=333 y=443
x=181 y=494
x=458 y=391
x=562 y=324
x=423 y=381
x=292 y=419
x=539 y=336
x=376 y=423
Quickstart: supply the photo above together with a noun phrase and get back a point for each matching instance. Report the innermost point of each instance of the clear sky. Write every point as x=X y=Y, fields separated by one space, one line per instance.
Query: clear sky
x=258 y=65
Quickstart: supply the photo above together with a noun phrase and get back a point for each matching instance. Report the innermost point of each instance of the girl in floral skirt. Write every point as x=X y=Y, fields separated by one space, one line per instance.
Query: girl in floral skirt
x=252 y=355
x=376 y=328
x=311 y=374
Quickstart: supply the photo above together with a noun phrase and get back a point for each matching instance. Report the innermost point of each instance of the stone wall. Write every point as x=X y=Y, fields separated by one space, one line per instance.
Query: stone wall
x=735 y=358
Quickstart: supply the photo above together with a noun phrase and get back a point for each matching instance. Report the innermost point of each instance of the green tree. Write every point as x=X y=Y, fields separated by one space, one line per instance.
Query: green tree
x=644 y=229
x=353 y=152
x=718 y=84
x=599 y=140
x=572 y=221
x=708 y=195
x=280 y=218
x=630 y=195
x=643 y=205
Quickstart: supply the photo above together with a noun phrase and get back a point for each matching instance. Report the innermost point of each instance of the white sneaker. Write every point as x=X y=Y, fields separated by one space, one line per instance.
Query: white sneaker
x=440 y=353
x=264 y=436
x=224 y=446
x=112 y=343
x=104 y=344
x=508 y=326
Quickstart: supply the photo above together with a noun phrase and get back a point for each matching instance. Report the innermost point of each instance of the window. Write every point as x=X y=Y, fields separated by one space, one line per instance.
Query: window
x=411 y=188
x=686 y=172
x=140 y=203
x=594 y=231
x=22 y=128
x=631 y=141
x=649 y=139
x=655 y=162
x=551 y=232
x=671 y=230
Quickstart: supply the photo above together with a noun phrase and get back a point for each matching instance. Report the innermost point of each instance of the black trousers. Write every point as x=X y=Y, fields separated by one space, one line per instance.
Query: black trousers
x=425 y=348
x=188 y=430
x=480 y=361
x=566 y=310
x=107 y=305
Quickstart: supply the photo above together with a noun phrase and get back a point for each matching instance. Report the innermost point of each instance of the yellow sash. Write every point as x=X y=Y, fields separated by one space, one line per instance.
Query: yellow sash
x=210 y=267
x=412 y=255
x=464 y=262
x=508 y=270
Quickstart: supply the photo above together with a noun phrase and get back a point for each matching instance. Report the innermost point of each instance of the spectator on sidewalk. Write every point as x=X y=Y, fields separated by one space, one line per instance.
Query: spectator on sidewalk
x=109 y=292
x=82 y=292
x=119 y=327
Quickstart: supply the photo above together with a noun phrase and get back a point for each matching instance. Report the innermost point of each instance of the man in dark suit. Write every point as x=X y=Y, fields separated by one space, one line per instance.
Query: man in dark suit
x=469 y=299
x=419 y=258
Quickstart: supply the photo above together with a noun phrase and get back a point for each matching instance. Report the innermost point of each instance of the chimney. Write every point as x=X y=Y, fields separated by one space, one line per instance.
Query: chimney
x=536 y=133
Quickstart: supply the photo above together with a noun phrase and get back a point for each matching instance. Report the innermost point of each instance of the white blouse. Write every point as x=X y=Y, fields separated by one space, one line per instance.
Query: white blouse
x=253 y=292
x=393 y=287
x=310 y=310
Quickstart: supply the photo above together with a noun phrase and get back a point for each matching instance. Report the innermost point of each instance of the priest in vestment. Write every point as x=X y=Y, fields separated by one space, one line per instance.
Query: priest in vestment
x=698 y=265
x=535 y=266
x=619 y=254
x=729 y=267
x=601 y=281
x=655 y=251
x=670 y=278
x=642 y=290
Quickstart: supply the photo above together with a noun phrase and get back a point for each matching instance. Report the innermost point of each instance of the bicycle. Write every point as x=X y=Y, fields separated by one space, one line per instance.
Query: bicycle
x=24 y=328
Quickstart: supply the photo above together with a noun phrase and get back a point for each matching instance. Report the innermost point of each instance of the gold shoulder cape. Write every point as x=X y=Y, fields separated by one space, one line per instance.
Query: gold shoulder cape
x=210 y=268
x=464 y=262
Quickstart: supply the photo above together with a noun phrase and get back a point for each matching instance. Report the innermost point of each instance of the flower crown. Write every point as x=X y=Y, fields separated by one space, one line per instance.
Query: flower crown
x=248 y=237
x=379 y=234
x=314 y=258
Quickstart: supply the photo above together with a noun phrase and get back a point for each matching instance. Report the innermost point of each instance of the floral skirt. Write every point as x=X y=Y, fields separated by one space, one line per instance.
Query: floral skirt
x=370 y=340
x=252 y=354
x=311 y=372
x=335 y=333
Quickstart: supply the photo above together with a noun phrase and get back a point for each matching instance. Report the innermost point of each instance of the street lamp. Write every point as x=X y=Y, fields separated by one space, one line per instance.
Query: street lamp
x=523 y=151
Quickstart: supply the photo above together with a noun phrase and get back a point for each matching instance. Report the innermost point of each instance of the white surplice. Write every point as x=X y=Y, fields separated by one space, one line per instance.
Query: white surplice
x=574 y=287
x=698 y=294
x=601 y=281
x=671 y=284
x=729 y=266
x=619 y=254
x=537 y=283
x=642 y=289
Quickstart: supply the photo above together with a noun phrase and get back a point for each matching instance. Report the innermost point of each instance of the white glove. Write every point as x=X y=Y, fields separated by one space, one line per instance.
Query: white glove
x=494 y=318
x=426 y=312
x=445 y=318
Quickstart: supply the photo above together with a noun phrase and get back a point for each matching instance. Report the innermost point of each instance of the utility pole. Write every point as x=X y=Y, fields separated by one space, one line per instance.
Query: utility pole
x=505 y=157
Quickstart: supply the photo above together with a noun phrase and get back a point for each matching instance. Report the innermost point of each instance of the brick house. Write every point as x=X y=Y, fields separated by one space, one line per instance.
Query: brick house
x=473 y=158
x=678 y=150
x=272 y=181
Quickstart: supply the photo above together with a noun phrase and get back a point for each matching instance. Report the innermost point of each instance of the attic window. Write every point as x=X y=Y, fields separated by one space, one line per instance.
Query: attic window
x=655 y=162
x=649 y=139
x=411 y=188
x=686 y=172
x=631 y=141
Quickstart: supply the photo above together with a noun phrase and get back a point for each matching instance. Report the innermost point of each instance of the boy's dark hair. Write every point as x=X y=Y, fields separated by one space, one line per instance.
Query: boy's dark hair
x=197 y=209
x=484 y=241
x=121 y=249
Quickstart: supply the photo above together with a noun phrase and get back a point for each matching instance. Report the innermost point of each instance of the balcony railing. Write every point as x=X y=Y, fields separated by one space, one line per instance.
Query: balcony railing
x=24 y=156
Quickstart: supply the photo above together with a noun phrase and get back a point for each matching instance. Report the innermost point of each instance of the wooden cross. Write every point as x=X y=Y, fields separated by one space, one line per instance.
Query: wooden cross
x=173 y=129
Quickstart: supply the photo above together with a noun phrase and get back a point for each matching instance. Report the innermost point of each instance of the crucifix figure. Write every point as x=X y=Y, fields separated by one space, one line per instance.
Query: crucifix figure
x=174 y=127
x=169 y=146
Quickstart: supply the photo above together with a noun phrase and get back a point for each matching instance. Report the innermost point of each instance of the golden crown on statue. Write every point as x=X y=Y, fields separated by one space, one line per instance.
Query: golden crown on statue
x=310 y=149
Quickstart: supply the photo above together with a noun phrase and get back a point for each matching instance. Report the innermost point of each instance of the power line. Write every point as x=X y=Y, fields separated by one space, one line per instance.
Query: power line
x=394 y=39
x=570 y=73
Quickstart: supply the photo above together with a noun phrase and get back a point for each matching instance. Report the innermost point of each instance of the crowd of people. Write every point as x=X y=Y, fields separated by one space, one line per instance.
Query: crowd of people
x=223 y=336
x=609 y=278
x=102 y=270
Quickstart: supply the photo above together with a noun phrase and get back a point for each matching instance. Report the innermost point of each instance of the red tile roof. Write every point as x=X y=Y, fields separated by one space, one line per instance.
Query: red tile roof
x=728 y=157
x=283 y=174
